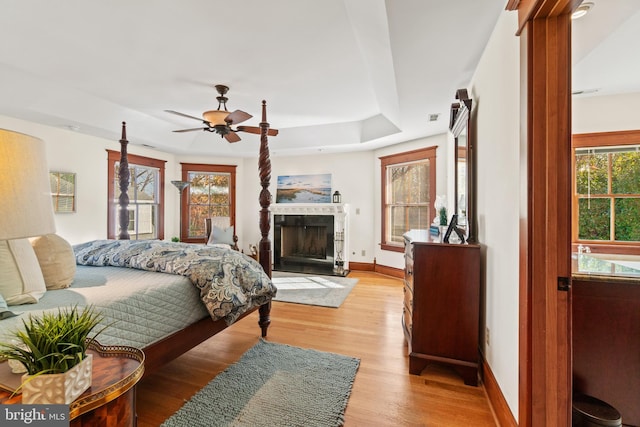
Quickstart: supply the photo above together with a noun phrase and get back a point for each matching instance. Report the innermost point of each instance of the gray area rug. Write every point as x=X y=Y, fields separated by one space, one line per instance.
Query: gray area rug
x=274 y=385
x=309 y=289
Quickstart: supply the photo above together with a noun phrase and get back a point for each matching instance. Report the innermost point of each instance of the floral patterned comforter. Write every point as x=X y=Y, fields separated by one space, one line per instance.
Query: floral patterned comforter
x=230 y=282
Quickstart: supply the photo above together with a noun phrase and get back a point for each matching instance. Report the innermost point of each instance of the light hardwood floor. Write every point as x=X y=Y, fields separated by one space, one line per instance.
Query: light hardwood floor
x=367 y=326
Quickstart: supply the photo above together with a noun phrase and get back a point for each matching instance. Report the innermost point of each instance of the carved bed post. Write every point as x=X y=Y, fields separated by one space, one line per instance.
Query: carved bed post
x=264 y=168
x=123 y=181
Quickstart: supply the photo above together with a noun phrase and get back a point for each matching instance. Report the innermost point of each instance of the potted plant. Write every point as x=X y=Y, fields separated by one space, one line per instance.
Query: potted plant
x=53 y=350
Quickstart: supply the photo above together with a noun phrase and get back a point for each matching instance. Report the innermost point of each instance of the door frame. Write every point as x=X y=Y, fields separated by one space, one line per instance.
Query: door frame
x=545 y=385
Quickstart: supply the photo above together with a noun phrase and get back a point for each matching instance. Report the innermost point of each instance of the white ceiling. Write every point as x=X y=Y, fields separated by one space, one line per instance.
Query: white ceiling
x=337 y=75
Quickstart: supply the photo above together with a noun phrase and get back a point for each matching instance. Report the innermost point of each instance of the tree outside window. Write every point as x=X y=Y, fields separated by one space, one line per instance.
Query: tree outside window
x=408 y=183
x=211 y=193
x=145 y=191
x=607 y=190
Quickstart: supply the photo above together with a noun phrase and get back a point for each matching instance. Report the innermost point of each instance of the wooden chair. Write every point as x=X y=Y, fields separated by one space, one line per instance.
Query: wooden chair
x=219 y=230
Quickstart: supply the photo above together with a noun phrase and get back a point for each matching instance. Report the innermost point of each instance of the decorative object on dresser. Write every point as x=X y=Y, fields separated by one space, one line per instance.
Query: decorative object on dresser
x=442 y=304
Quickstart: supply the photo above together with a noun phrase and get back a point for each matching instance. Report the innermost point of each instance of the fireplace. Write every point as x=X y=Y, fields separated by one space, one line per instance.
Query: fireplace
x=309 y=239
x=303 y=243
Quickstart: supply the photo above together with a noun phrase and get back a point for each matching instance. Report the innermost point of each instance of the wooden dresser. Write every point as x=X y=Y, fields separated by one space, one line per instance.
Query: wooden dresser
x=442 y=305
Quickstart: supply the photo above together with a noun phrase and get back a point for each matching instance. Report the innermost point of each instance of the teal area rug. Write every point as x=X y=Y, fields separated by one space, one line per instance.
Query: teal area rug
x=326 y=291
x=274 y=385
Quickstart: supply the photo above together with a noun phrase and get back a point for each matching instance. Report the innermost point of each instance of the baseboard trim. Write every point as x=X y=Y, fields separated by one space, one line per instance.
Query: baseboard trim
x=498 y=403
x=376 y=268
x=360 y=266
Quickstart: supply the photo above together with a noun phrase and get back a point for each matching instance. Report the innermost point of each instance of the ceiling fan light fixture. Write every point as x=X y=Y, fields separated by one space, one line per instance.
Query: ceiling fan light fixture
x=216 y=117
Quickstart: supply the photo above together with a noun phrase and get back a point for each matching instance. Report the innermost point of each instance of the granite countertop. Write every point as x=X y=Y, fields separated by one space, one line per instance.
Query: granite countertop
x=606 y=267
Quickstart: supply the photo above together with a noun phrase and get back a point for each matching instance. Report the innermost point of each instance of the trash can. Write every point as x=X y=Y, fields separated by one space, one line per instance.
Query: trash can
x=591 y=412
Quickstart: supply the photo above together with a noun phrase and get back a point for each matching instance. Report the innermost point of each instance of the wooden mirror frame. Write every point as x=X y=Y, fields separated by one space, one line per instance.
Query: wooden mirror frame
x=459 y=121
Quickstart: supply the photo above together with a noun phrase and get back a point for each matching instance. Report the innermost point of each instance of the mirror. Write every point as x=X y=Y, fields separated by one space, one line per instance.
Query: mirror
x=464 y=170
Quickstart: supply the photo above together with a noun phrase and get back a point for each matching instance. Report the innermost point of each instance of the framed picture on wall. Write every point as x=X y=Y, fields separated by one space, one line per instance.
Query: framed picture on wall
x=63 y=191
x=304 y=188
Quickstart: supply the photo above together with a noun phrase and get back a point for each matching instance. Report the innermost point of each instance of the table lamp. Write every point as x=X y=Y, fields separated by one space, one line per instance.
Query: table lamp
x=26 y=209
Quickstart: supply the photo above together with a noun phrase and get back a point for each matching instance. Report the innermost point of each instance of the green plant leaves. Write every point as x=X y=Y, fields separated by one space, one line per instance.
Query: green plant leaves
x=53 y=343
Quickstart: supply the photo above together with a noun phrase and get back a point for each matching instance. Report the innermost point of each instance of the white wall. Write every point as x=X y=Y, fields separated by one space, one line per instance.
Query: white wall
x=605 y=113
x=495 y=92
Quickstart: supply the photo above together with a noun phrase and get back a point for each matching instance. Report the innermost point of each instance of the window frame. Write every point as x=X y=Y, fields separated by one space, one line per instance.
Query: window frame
x=112 y=203
x=184 y=197
x=413 y=156
x=599 y=140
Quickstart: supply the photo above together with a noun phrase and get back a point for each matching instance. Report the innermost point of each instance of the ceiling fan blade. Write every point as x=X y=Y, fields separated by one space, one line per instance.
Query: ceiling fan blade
x=256 y=130
x=190 y=130
x=237 y=116
x=186 y=115
x=231 y=136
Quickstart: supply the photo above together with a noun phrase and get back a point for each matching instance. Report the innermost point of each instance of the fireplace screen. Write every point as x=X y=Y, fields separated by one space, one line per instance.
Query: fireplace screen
x=306 y=241
x=303 y=242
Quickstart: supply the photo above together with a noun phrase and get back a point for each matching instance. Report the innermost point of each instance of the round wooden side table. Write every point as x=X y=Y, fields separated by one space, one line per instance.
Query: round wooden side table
x=111 y=400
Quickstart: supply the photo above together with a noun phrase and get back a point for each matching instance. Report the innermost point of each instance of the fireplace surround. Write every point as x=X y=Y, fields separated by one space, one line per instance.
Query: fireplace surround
x=310 y=238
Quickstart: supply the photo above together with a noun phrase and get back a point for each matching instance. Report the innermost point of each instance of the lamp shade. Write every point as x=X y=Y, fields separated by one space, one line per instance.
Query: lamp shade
x=216 y=117
x=26 y=209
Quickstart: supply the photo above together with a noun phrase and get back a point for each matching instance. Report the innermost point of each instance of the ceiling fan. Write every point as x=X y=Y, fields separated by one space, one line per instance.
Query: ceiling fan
x=221 y=120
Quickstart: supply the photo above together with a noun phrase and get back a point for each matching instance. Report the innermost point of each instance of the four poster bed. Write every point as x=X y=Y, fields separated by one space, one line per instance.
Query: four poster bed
x=180 y=342
x=209 y=286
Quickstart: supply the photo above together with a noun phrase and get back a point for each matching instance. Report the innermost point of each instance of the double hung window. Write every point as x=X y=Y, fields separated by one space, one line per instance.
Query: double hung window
x=408 y=193
x=145 y=191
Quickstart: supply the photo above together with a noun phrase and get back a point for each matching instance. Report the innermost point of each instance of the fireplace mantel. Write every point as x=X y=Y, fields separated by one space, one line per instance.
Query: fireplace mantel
x=310 y=209
x=339 y=211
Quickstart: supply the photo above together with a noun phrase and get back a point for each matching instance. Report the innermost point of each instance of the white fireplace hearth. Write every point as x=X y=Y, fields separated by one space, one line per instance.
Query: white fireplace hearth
x=340 y=213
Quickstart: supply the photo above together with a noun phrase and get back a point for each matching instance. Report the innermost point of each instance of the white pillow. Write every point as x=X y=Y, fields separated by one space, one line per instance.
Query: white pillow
x=56 y=259
x=221 y=235
x=21 y=280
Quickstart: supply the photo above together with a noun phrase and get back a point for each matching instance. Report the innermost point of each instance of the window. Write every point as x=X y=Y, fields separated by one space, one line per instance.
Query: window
x=408 y=192
x=146 y=200
x=211 y=192
x=63 y=191
x=606 y=202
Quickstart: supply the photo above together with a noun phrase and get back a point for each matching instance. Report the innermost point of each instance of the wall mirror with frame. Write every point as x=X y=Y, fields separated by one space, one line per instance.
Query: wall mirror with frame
x=464 y=165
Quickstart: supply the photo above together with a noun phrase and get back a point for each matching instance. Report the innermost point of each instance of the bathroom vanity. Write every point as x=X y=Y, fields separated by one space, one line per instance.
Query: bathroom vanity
x=606 y=330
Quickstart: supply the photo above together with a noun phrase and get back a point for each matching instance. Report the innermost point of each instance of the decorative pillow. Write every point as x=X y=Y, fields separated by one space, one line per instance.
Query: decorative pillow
x=56 y=259
x=221 y=235
x=21 y=280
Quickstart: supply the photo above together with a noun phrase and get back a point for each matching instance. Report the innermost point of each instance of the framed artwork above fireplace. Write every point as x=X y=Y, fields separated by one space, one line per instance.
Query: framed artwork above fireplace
x=314 y=188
